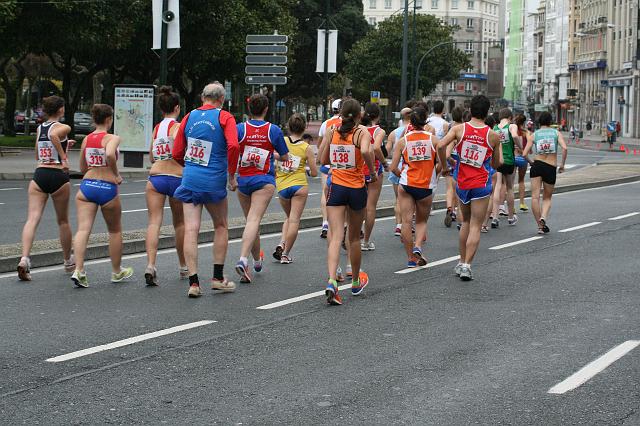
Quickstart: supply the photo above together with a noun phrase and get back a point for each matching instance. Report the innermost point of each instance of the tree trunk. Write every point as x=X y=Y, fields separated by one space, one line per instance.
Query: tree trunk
x=9 y=110
x=66 y=95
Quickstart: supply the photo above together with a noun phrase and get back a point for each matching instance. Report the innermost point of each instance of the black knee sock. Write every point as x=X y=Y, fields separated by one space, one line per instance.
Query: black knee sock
x=217 y=272
x=193 y=279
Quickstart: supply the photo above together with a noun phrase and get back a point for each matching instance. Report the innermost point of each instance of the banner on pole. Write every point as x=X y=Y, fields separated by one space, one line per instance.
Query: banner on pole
x=173 y=24
x=333 y=51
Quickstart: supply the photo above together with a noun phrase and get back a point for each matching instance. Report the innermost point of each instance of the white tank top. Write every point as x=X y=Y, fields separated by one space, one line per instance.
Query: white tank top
x=438 y=124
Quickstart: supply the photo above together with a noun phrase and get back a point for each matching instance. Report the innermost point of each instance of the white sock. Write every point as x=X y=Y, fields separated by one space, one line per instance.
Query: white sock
x=244 y=260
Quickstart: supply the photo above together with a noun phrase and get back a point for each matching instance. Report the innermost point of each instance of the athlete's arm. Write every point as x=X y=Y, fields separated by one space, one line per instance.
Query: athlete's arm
x=311 y=162
x=111 y=148
x=391 y=140
x=228 y=124
x=180 y=142
x=83 y=160
x=494 y=140
x=377 y=146
x=323 y=150
x=366 y=149
x=397 y=155
x=445 y=128
x=443 y=144
x=435 y=141
x=55 y=137
x=278 y=143
x=563 y=144
x=517 y=140
x=528 y=146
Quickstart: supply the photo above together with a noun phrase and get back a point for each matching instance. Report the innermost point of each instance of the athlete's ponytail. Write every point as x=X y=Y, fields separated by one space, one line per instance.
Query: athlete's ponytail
x=350 y=113
x=168 y=100
x=371 y=113
x=418 y=117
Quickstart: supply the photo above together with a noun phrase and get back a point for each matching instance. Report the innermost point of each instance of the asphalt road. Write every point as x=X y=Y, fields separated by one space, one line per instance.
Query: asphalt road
x=416 y=348
x=13 y=202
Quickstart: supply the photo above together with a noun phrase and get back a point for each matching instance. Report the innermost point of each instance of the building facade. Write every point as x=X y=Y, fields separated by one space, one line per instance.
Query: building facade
x=479 y=20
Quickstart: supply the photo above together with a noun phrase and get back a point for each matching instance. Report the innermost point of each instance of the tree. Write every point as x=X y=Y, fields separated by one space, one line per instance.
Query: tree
x=347 y=17
x=11 y=54
x=375 y=62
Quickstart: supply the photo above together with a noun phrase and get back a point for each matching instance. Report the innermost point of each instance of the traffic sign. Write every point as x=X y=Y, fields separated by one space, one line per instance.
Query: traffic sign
x=266 y=59
x=277 y=80
x=267 y=48
x=265 y=69
x=267 y=38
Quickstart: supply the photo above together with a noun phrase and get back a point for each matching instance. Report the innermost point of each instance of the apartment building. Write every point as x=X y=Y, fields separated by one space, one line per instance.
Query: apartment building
x=479 y=20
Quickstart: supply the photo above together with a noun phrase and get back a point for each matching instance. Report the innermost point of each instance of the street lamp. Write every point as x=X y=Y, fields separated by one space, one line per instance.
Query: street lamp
x=414 y=44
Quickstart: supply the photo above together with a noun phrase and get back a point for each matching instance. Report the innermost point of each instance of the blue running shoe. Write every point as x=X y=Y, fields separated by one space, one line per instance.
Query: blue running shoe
x=243 y=270
x=358 y=287
x=333 y=298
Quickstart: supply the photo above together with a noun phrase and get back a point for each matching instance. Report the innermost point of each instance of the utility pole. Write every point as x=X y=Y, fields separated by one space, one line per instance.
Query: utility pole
x=163 y=44
x=414 y=49
x=403 y=77
x=325 y=79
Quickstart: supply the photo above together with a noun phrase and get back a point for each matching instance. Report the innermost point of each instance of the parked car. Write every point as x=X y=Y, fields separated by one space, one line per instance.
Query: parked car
x=18 y=119
x=83 y=123
x=36 y=118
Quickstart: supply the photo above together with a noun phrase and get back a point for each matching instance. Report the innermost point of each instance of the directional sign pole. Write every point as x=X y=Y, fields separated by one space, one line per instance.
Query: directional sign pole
x=163 y=47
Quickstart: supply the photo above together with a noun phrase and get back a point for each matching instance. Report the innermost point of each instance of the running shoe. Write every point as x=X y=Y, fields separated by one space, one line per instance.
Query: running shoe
x=339 y=275
x=125 y=273
x=454 y=216
x=370 y=246
x=484 y=229
x=277 y=253
x=448 y=219
x=459 y=226
x=412 y=263
x=70 y=265
x=223 y=285
x=194 y=291
x=465 y=273
x=80 y=279
x=358 y=287
x=257 y=264
x=333 y=298
x=543 y=225
x=495 y=223
x=286 y=259
x=397 y=232
x=150 y=276
x=540 y=230
x=420 y=259
x=349 y=272
x=24 y=269
x=458 y=269
x=361 y=235
x=502 y=210
x=184 y=273
x=325 y=230
x=523 y=207
x=512 y=221
x=243 y=270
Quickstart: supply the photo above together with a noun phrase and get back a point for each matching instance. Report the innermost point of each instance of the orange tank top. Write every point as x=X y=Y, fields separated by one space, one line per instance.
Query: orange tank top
x=419 y=160
x=346 y=160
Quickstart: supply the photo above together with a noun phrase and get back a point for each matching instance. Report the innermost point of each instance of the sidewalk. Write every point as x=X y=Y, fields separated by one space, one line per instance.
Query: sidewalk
x=19 y=164
x=598 y=138
x=47 y=252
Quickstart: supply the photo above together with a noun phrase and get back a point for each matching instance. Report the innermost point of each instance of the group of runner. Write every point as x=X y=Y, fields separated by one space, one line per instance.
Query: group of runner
x=198 y=160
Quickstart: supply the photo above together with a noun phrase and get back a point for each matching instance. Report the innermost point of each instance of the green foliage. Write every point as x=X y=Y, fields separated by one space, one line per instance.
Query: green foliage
x=375 y=62
x=17 y=141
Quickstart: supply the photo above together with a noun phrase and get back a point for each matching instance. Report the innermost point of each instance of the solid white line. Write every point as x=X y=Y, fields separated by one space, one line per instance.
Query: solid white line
x=140 y=210
x=514 y=243
x=129 y=341
x=575 y=228
x=133 y=193
x=1 y=204
x=624 y=216
x=429 y=265
x=590 y=370
x=9 y=189
x=140 y=180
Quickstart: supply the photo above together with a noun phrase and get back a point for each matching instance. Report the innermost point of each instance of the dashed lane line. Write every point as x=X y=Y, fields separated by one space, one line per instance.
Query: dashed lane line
x=587 y=372
x=129 y=341
x=429 y=265
x=514 y=243
x=624 y=216
x=11 y=189
x=575 y=228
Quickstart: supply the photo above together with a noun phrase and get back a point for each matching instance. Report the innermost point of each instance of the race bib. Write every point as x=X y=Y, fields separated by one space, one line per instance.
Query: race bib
x=95 y=157
x=198 y=152
x=473 y=154
x=291 y=165
x=162 y=149
x=343 y=157
x=46 y=152
x=545 y=146
x=254 y=157
x=419 y=150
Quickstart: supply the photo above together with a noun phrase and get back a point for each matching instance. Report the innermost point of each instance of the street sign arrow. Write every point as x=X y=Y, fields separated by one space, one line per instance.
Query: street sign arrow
x=267 y=48
x=266 y=79
x=267 y=38
x=266 y=69
x=266 y=59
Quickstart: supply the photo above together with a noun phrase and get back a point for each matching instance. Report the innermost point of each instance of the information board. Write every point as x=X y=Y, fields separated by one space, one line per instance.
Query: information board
x=133 y=117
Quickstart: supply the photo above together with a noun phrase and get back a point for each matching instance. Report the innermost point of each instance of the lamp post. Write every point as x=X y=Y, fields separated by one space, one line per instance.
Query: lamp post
x=403 y=77
x=414 y=44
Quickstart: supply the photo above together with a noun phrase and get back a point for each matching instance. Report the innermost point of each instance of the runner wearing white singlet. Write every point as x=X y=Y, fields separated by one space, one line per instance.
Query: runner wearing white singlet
x=327 y=125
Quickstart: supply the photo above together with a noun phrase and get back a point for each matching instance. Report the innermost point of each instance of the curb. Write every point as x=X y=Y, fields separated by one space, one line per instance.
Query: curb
x=54 y=257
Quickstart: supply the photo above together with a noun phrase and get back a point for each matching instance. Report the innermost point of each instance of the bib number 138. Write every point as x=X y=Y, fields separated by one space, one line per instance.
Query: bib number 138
x=343 y=156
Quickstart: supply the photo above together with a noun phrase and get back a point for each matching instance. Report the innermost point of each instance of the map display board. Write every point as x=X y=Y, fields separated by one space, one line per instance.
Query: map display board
x=133 y=121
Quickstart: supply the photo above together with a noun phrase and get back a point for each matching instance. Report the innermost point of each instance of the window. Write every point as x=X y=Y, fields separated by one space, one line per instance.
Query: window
x=469 y=47
x=452 y=86
x=454 y=4
x=372 y=4
x=434 y=4
x=467 y=86
x=387 y=4
x=372 y=21
x=418 y=4
x=470 y=4
x=454 y=22
x=469 y=23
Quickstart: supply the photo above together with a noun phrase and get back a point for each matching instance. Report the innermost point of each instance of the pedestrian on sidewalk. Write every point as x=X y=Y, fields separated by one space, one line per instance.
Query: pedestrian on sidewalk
x=589 y=127
x=51 y=178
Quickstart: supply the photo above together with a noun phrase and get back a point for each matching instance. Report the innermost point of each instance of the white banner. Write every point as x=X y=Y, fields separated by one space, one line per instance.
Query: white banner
x=173 y=27
x=133 y=117
x=333 y=50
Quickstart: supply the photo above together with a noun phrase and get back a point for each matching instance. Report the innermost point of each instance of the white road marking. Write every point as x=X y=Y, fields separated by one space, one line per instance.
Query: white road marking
x=581 y=376
x=514 y=243
x=575 y=228
x=1 y=204
x=140 y=180
x=132 y=193
x=140 y=210
x=129 y=341
x=308 y=195
x=624 y=216
x=429 y=265
x=10 y=189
